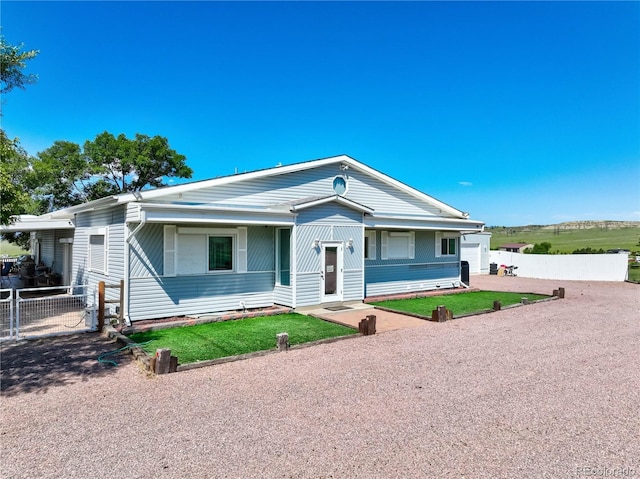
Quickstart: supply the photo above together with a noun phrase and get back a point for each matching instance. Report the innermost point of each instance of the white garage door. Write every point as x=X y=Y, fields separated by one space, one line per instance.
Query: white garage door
x=471 y=252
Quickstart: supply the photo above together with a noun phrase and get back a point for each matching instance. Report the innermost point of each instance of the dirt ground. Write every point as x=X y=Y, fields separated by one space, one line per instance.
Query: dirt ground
x=545 y=390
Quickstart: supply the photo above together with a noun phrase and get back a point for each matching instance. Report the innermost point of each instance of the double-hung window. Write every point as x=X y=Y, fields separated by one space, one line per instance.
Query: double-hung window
x=446 y=244
x=220 y=253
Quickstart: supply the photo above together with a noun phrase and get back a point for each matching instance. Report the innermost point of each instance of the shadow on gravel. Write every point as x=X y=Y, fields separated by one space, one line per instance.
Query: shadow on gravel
x=35 y=366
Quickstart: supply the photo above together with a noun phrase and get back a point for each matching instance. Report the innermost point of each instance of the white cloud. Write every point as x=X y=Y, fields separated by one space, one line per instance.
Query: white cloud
x=465 y=183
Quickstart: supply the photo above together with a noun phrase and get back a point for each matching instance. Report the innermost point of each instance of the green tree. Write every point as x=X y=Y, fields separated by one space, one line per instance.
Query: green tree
x=58 y=175
x=67 y=175
x=123 y=165
x=12 y=63
x=14 y=162
x=15 y=175
x=539 y=248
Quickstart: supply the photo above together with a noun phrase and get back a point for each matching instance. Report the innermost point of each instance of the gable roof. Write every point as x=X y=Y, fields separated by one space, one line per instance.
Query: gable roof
x=346 y=161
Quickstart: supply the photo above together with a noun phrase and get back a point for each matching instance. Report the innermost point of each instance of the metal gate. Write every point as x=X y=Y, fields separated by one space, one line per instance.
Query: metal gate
x=52 y=311
x=6 y=314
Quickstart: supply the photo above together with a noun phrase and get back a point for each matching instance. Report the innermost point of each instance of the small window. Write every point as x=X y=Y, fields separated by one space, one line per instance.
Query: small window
x=449 y=246
x=220 y=253
x=340 y=185
x=283 y=275
x=97 y=256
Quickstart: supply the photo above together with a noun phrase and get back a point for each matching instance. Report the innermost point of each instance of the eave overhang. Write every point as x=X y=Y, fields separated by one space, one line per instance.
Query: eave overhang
x=309 y=203
x=37 y=223
x=218 y=214
x=434 y=223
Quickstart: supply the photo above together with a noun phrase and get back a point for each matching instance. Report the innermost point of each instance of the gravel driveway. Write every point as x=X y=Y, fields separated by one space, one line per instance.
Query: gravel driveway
x=546 y=390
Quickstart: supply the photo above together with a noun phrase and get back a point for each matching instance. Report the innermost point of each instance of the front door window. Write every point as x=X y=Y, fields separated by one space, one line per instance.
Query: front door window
x=331 y=270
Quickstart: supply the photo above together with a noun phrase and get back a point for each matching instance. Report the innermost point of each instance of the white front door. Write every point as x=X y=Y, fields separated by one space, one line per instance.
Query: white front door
x=332 y=271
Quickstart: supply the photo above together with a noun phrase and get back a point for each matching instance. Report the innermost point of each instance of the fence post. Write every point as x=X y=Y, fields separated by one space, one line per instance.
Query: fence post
x=121 y=315
x=100 y=306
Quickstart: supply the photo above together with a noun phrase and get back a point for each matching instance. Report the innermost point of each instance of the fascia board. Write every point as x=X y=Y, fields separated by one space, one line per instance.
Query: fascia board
x=36 y=224
x=338 y=199
x=203 y=215
x=436 y=224
x=213 y=208
x=90 y=206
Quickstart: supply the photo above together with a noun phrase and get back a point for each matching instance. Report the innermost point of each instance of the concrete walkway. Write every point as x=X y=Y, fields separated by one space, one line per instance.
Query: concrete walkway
x=385 y=320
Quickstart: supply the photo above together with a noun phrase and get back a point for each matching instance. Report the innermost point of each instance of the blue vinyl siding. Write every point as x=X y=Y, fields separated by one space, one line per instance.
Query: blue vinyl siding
x=193 y=295
x=147 y=247
x=155 y=296
x=113 y=220
x=425 y=271
x=328 y=222
x=362 y=188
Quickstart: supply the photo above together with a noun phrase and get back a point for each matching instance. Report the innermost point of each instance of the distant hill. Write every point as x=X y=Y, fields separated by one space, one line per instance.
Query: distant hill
x=575 y=225
x=572 y=235
x=585 y=225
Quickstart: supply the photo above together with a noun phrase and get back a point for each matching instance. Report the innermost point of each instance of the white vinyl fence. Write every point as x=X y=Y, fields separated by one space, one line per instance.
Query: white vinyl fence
x=587 y=267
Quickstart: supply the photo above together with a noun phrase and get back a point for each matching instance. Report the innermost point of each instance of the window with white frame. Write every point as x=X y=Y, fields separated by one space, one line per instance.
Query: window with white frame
x=98 y=251
x=283 y=256
x=446 y=244
x=221 y=253
x=204 y=250
x=369 y=245
x=397 y=245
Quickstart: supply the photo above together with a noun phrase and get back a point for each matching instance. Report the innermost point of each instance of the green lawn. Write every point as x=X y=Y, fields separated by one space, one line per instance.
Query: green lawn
x=634 y=272
x=460 y=303
x=568 y=241
x=11 y=250
x=231 y=338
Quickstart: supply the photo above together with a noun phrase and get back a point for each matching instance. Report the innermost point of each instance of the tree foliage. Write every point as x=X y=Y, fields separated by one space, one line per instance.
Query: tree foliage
x=539 y=248
x=67 y=175
x=14 y=161
x=15 y=176
x=12 y=63
x=589 y=250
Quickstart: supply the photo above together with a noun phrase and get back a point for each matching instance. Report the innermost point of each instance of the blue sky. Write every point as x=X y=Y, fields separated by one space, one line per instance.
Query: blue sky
x=517 y=112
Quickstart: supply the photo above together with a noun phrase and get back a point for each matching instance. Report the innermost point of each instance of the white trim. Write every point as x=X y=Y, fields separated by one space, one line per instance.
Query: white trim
x=206 y=231
x=241 y=250
x=338 y=199
x=97 y=232
x=169 y=249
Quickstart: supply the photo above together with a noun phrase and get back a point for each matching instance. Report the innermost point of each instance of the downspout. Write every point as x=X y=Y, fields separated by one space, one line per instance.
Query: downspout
x=127 y=264
x=294 y=264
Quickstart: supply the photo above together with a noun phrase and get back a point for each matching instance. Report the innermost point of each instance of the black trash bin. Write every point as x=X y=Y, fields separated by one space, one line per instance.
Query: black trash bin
x=464 y=272
x=493 y=268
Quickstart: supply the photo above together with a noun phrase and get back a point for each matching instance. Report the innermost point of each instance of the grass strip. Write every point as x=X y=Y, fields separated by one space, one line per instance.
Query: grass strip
x=231 y=338
x=461 y=303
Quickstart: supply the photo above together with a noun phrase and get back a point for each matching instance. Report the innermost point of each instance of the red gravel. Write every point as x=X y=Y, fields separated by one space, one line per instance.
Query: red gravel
x=536 y=391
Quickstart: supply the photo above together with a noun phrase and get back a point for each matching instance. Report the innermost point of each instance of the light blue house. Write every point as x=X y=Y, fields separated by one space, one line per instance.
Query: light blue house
x=323 y=231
